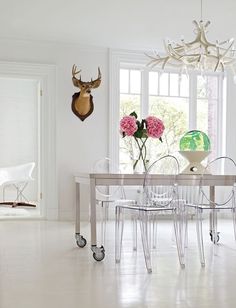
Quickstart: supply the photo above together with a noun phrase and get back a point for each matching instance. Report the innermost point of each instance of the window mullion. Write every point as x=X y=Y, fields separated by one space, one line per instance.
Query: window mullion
x=145 y=94
x=192 y=101
x=221 y=118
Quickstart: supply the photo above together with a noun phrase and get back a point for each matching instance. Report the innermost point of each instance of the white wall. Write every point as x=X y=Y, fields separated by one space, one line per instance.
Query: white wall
x=78 y=143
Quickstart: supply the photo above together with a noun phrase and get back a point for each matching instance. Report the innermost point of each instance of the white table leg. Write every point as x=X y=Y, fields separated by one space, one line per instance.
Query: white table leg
x=80 y=240
x=214 y=234
x=98 y=252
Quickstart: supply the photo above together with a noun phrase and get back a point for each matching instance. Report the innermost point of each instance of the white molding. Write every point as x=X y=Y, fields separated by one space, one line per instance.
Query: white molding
x=46 y=74
x=114 y=64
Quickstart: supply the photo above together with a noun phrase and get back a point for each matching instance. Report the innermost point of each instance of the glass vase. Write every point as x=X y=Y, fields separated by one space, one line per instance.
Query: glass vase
x=139 y=166
x=140 y=163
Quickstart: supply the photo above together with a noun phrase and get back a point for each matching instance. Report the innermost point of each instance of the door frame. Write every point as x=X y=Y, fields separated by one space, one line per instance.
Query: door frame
x=46 y=75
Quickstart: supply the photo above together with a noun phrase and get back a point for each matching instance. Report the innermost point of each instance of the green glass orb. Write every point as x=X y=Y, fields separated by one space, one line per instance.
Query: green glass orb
x=195 y=140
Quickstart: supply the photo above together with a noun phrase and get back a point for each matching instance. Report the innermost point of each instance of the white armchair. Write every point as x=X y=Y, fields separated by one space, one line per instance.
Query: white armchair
x=17 y=177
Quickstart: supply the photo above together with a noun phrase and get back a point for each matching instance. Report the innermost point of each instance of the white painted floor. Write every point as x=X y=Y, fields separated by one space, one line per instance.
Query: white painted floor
x=41 y=267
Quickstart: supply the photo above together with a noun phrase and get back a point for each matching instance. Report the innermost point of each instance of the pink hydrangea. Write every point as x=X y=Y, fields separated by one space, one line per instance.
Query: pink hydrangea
x=155 y=127
x=128 y=125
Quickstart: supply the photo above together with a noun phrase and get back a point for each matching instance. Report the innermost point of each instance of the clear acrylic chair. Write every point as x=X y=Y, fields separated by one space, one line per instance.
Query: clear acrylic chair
x=156 y=199
x=223 y=199
x=17 y=177
x=106 y=196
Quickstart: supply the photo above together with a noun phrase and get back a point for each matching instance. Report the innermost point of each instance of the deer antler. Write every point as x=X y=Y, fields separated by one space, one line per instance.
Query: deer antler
x=74 y=68
x=96 y=83
x=76 y=82
x=90 y=84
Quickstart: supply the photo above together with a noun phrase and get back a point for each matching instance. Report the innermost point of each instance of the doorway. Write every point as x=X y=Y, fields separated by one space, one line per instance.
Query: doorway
x=20 y=138
x=27 y=134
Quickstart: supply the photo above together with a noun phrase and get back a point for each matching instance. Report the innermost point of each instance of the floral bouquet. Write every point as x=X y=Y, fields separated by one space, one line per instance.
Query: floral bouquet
x=141 y=131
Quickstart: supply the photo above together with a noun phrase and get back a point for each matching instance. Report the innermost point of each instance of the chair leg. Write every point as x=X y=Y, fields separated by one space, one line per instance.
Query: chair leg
x=3 y=193
x=183 y=221
x=119 y=227
x=144 y=235
x=186 y=213
x=154 y=232
x=134 y=224
x=200 y=236
x=103 y=218
x=20 y=200
x=214 y=227
x=234 y=220
x=19 y=193
x=178 y=230
x=234 y=215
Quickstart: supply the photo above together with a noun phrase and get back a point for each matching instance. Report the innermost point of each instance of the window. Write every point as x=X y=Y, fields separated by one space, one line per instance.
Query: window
x=182 y=101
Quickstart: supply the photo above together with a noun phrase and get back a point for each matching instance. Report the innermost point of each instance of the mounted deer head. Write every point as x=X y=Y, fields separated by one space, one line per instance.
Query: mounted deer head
x=82 y=102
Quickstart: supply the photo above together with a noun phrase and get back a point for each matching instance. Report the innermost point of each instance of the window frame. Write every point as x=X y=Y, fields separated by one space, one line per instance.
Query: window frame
x=119 y=59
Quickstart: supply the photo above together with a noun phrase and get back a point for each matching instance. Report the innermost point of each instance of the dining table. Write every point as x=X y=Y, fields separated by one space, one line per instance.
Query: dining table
x=117 y=179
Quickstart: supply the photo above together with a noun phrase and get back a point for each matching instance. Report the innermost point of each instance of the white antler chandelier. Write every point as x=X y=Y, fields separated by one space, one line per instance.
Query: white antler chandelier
x=200 y=54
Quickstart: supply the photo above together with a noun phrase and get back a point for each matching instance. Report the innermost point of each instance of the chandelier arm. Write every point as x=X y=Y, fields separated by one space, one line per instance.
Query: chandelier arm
x=203 y=40
x=167 y=60
x=228 y=49
x=173 y=52
x=219 y=58
x=229 y=61
x=222 y=67
x=197 y=25
x=180 y=56
x=153 y=57
x=217 y=65
x=155 y=62
x=201 y=33
x=164 y=63
x=224 y=42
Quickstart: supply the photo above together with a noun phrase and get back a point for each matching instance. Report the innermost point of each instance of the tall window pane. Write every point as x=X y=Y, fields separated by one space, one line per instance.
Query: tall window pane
x=174 y=114
x=184 y=85
x=174 y=84
x=124 y=81
x=207 y=102
x=153 y=83
x=135 y=81
x=129 y=102
x=164 y=84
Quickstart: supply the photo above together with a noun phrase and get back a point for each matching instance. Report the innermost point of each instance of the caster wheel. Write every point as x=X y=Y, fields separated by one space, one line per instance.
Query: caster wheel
x=216 y=240
x=81 y=241
x=99 y=256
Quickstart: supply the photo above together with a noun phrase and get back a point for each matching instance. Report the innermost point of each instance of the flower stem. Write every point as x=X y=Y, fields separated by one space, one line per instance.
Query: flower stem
x=142 y=152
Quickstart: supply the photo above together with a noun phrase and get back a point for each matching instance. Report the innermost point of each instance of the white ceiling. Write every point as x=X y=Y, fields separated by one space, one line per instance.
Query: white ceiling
x=134 y=24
